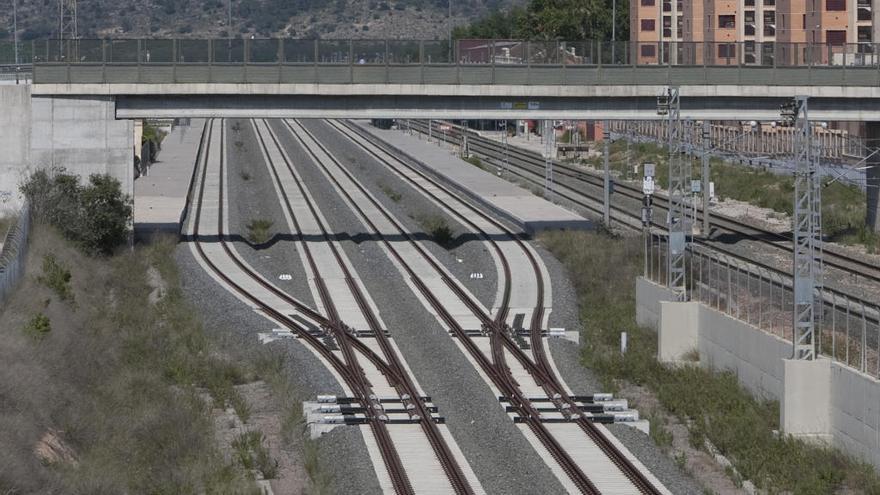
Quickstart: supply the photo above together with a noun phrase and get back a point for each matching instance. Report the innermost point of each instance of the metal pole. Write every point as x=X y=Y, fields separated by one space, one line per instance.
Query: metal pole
x=15 y=29
x=668 y=105
x=449 y=26
x=806 y=227
x=705 y=172
x=613 y=28
x=606 y=140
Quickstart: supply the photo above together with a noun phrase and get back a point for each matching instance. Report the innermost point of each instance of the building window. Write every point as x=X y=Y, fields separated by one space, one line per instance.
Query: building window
x=835 y=37
x=647 y=3
x=648 y=51
x=726 y=50
x=726 y=21
x=648 y=25
x=835 y=5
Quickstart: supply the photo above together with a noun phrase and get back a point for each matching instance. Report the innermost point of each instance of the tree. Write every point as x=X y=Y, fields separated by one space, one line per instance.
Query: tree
x=552 y=20
x=96 y=216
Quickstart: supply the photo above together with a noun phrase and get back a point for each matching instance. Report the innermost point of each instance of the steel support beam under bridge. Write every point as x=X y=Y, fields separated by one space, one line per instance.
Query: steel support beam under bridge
x=636 y=107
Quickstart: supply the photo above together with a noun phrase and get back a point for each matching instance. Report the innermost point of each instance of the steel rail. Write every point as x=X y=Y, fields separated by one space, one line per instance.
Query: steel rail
x=495 y=151
x=353 y=377
x=402 y=381
x=540 y=369
x=497 y=371
x=582 y=199
x=502 y=380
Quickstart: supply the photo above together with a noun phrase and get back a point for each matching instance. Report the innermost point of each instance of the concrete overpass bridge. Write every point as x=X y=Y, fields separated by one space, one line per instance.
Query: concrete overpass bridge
x=477 y=79
x=77 y=111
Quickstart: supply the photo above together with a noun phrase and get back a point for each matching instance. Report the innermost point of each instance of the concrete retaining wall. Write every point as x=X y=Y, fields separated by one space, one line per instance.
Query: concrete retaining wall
x=648 y=298
x=820 y=399
x=82 y=135
x=15 y=141
x=753 y=355
x=855 y=413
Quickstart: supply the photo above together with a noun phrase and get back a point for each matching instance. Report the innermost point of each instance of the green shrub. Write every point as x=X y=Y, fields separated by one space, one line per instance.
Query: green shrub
x=38 y=327
x=97 y=216
x=475 y=161
x=57 y=277
x=715 y=406
x=259 y=230
x=438 y=228
x=392 y=194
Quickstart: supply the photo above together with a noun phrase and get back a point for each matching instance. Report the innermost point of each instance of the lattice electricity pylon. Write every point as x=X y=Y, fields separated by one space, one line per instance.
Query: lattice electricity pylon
x=806 y=228
x=505 y=161
x=463 y=148
x=549 y=144
x=668 y=105
x=67 y=31
x=606 y=169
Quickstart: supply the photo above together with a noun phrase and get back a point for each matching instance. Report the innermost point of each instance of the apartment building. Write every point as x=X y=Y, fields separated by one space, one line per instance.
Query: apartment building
x=750 y=31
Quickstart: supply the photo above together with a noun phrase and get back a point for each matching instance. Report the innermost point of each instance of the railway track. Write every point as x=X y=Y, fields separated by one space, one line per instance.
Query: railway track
x=208 y=230
x=620 y=472
x=627 y=202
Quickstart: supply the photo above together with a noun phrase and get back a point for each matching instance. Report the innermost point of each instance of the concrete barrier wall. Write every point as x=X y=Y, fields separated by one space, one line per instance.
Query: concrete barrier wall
x=855 y=413
x=15 y=141
x=82 y=135
x=758 y=359
x=753 y=355
x=648 y=298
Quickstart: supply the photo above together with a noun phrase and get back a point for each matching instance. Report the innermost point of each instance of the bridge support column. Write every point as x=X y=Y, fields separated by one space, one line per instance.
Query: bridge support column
x=82 y=135
x=872 y=174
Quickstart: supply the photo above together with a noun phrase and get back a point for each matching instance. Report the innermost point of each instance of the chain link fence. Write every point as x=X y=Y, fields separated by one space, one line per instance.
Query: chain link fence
x=847 y=328
x=14 y=253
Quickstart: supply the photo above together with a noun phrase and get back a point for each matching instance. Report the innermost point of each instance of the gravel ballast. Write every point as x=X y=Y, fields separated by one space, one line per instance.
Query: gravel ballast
x=236 y=325
x=499 y=454
x=566 y=356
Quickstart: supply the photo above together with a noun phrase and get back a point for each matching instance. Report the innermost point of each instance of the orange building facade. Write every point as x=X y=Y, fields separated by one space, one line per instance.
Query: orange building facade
x=753 y=31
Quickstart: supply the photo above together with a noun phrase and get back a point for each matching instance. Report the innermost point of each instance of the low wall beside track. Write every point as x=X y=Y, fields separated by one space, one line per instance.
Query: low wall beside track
x=843 y=403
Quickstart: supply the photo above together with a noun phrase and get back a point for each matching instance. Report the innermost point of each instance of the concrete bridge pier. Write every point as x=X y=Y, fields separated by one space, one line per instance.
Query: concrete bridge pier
x=872 y=177
x=79 y=133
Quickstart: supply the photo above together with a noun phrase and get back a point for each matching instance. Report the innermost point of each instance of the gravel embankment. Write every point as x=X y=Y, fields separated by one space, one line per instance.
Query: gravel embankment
x=499 y=454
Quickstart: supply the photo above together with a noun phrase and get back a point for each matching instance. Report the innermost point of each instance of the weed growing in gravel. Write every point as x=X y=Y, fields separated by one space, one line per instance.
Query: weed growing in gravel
x=437 y=227
x=392 y=194
x=38 y=327
x=56 y=276
x=293 y=426
x=245 y=175
x=603 y=270
x=259 y=230
x=475 y=161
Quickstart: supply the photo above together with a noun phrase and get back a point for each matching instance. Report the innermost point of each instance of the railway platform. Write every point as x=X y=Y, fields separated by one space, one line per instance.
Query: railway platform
x=521 y=207
x=160 y=196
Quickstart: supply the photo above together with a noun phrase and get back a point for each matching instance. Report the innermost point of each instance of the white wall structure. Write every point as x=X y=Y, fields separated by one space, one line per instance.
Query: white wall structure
x=80 y=134
x=15 y=139
x=821 y=399
x=648 y=298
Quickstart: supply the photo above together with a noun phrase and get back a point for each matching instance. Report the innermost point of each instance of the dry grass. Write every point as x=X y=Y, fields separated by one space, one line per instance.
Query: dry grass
x=714 y=405
x=117 y=378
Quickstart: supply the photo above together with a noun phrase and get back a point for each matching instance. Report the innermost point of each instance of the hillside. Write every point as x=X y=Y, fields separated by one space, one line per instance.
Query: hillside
x=417 y=19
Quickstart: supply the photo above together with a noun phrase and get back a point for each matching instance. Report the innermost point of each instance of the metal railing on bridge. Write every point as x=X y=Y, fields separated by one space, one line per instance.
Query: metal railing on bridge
x=438 y=62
